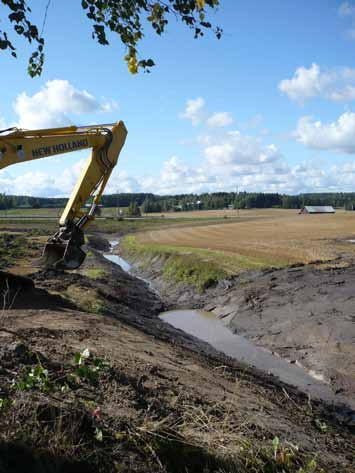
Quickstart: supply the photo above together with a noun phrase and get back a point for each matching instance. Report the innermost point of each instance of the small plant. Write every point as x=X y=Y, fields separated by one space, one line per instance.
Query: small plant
x=34 y=377
x=99 y=435
x=311 y=467
x=321 y=426
x=87 y=367
x=5 y=403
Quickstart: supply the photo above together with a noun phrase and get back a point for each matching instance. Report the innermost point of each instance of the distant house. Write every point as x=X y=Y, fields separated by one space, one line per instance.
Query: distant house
x=323 y=209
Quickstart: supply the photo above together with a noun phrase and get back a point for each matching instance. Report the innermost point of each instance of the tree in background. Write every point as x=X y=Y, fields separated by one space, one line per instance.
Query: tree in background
x=133 y=210
x=123 y=18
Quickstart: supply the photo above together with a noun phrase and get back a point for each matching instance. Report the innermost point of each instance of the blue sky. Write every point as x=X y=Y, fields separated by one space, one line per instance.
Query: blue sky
x=269 y=107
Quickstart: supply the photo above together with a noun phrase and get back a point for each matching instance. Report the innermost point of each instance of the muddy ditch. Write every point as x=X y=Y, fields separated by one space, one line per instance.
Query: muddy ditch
x=302 y=314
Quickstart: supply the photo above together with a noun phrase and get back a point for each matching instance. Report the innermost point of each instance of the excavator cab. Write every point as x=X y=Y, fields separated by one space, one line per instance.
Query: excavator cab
x=63 y=250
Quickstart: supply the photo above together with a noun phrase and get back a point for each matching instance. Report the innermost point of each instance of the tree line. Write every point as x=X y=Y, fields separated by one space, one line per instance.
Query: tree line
x=148 y=202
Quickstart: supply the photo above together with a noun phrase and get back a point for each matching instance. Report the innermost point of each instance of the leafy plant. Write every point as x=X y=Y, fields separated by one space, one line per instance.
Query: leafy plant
x=5 y=403
x=87 y=367
x=34 y=377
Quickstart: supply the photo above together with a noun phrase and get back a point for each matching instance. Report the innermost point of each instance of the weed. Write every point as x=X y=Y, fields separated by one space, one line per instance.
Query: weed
x=5 y=403
x=87 y=366
x=33 y=377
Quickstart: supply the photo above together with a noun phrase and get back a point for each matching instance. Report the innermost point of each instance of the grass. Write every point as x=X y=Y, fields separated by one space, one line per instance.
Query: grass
x=182 y=268
x=86 y=299
x=93 y=273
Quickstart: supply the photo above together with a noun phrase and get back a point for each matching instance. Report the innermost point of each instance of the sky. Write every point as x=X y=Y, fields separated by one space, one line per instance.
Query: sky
x=269 y=107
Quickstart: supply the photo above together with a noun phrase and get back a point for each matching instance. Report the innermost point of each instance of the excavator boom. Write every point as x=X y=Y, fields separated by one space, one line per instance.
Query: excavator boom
x=63 y=249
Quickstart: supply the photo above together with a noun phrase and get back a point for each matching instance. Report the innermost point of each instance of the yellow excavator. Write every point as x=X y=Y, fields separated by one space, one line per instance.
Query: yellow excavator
x=63 y=250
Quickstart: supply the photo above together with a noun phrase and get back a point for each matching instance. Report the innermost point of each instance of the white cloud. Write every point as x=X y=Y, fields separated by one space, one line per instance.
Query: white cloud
x=220 y=120
x=120 y=181
x=337 y=85
x=41 y=184
x=54 y=105
x=305 y=84
x=177 y=177
x=338 y=136
x=235 y=148
x=194 y=110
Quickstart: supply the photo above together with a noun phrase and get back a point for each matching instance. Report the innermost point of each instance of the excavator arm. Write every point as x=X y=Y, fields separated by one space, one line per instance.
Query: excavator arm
x=63 y=249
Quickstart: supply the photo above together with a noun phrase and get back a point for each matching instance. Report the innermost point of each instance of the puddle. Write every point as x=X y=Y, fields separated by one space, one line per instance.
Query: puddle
x=208 y=328
x=117 y=259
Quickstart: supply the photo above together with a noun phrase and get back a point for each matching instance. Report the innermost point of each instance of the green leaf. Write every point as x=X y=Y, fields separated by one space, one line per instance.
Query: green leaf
x=99 y=435
x=77 y=358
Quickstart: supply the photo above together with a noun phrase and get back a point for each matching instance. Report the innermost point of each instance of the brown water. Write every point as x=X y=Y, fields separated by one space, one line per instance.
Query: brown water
x=208 y=328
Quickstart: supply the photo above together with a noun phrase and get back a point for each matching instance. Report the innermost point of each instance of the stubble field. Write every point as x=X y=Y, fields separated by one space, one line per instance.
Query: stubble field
x=259 y=238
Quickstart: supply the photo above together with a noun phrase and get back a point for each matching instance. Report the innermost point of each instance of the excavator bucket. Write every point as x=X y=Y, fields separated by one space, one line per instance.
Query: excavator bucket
x=63 y=256
x=63 y=251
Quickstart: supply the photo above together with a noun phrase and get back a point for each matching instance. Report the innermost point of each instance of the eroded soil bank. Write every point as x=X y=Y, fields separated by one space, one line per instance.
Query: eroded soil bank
x=303 y=313
x=92 y=380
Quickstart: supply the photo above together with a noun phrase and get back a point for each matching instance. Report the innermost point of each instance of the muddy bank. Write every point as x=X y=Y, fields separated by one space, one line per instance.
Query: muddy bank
x=304 y=313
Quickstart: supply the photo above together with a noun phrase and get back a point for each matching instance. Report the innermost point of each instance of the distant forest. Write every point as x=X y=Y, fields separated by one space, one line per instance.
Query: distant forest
x=184 y=202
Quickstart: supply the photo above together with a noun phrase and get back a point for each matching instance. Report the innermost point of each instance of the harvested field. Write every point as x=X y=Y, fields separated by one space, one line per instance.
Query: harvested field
x=276 y=238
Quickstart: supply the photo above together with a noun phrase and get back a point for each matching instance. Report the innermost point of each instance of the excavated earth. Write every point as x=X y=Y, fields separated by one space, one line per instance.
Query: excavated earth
x=162 y=400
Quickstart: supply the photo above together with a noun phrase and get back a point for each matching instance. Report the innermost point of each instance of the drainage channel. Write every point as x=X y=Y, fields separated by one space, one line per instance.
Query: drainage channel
x=117 y=259
x=207 y=327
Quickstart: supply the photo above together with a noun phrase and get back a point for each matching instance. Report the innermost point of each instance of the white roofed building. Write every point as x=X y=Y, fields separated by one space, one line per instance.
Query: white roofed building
x=317 y=209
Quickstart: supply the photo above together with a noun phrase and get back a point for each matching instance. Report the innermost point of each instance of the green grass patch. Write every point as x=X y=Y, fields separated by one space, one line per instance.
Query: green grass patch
x=197 y=266
x=93 y=273
x=178 y=264
x=12 y=247
x=85 y=298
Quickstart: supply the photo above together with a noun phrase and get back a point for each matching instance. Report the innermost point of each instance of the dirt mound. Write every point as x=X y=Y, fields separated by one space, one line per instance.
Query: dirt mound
x=19 y=292
x=88 y=393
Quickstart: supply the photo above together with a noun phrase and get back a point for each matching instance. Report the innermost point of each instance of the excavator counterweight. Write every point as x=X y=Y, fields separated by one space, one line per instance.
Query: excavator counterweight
x=64 y=249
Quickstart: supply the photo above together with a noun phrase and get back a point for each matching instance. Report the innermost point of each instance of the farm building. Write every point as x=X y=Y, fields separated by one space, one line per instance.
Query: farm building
x=324 y=209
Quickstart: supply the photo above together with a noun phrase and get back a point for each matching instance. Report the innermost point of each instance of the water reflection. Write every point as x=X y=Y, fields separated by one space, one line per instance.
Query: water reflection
x=206 y=327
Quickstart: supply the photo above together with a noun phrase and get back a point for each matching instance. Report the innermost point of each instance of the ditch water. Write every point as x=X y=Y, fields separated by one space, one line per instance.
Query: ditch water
x=117 y=259
x=207 y=327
